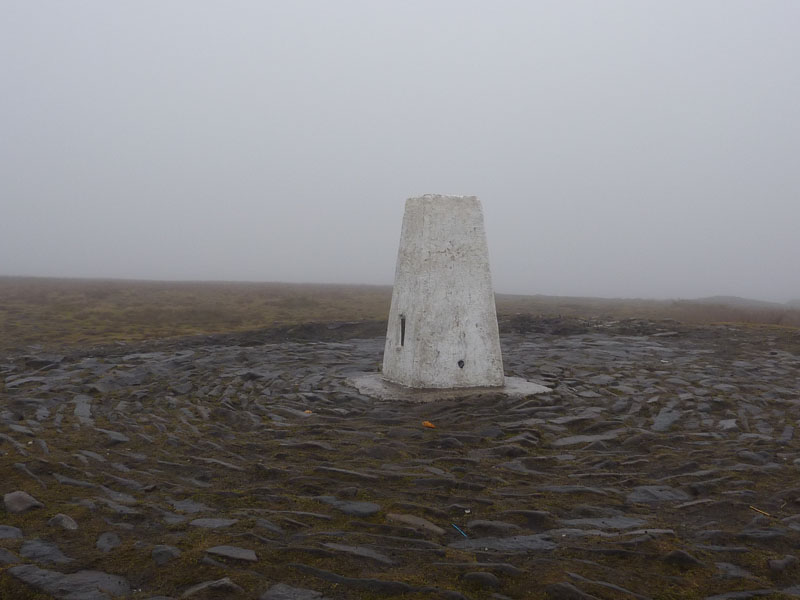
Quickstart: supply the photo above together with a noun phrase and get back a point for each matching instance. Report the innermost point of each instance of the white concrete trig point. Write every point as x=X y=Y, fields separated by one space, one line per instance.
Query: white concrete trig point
x=442 y=339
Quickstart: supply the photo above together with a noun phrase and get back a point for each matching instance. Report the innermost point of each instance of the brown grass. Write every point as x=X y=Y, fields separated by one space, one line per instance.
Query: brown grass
x=69 y=312
x=685 y=311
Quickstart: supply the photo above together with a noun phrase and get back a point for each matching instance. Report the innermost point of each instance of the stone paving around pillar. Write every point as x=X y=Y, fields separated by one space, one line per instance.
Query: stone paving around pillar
x=664 y=464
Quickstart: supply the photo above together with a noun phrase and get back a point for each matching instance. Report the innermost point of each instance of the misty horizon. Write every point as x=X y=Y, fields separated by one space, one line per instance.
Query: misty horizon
x=622 y=150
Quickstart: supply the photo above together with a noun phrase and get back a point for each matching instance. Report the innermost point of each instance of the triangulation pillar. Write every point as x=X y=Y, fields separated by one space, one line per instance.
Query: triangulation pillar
x=442 y=323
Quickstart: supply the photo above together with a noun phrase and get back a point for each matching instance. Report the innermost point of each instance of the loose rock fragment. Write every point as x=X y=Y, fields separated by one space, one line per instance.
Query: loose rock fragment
x=415 y=522
x=83 y=585
x=219 y=585
x=19 y=501
x=233 y=552
x=108 y=541
x=481 y=579
x=351 y=507
x=63 y=521
x=213 y=523
x=162 y=554
x=566 y=591
x=9 y=532
x=281 y=591
x=41 y=551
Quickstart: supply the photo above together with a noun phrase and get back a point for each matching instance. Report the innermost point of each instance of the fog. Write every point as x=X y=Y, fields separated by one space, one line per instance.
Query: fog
x=620 y=149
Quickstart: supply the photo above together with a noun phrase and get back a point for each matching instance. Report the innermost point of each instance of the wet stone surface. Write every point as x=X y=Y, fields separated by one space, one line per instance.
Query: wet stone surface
x=661 y=466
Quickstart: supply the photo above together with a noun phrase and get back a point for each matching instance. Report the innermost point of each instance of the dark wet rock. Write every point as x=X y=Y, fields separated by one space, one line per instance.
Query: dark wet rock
x=415 y=522
x=665 y=419
x=181 y=388
x=361 y=552
x=43 y=552
x=64 y=480
x=573 y=489
x=496 y=567
x=533 y=519
x=729 y=570
x=447 y=483
x=566 y=591
x=615 y=522
x=114 y=437
x=764 y=535
x=611 y=586
x=574 y=440
x=483 y=528
x=347 y=473
x=162 y=554
x=350 y=507
x=92 y=455
x=778 y=565
x=63 y=521
x=190 y=506
x=269 y=526
x=308 y=445
x=8 y=558
x=653 y=494
x=22 y=468
x=753 y=457
x=508 y=451
x=8 y=532
x=116 y=508
x=725 y=549
x=518 y=543
x=281 y=591
x=233 y=553
x=481 y=579
x=742 y=595
x=107 y=541
x=19 y=501
x=118 y=496
x=211 y=523
x=83 y=585
x=219 y=586
x=602 y=379
x=682 y=559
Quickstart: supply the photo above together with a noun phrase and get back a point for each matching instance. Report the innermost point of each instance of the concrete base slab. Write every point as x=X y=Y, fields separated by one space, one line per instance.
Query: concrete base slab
x=375 y=386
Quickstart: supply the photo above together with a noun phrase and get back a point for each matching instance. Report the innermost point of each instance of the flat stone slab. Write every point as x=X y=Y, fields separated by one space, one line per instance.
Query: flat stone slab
x=90 y=585
x=19 y=501
x=350 y=507
x=8 y=532
x=212 y=523
x=233 y=552
x=361 y=552
x=218 y=587
x=652 y=494
x=617 y=522
x=375 y=386
x=44 y=552
x=517 y=543
x=281 y=591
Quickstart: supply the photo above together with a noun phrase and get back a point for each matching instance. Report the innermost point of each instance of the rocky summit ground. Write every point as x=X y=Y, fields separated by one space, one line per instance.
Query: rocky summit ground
x=664 y=464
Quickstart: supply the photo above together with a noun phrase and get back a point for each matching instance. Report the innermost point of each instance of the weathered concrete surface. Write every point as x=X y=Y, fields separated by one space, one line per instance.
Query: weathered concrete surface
x=442 y=329
x=375 y=386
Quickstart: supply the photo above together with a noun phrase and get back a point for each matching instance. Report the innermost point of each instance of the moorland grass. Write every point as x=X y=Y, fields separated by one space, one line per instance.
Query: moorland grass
x=57 y=313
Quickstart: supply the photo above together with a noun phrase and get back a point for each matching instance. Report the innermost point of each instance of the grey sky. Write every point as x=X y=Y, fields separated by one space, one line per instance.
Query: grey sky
x=641 y=148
